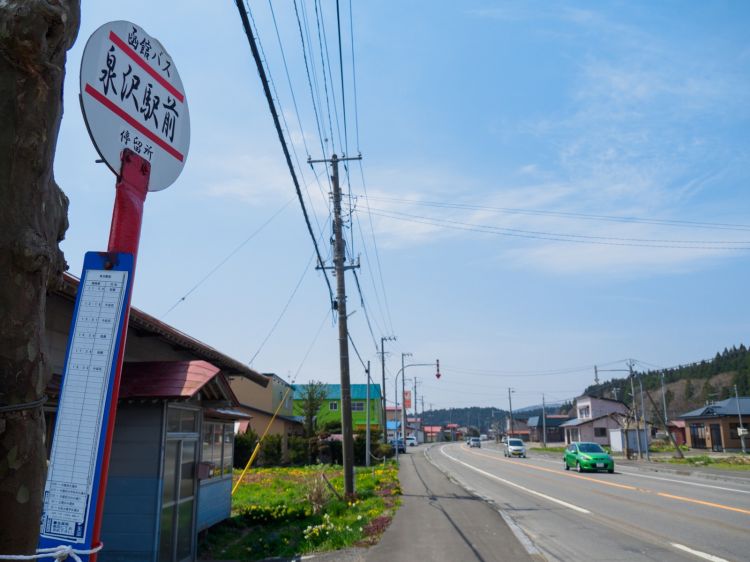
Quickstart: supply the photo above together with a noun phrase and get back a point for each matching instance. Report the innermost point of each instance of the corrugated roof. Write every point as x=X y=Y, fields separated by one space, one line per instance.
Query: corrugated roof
x=165 y=379
x=142 y=322
x=333 y=391
x=726 y=407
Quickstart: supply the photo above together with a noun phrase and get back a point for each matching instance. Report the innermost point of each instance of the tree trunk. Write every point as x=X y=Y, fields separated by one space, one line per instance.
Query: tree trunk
x=34 y=38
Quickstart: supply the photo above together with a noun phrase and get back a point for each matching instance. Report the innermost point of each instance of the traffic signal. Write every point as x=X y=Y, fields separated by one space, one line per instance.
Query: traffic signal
x=437 y=375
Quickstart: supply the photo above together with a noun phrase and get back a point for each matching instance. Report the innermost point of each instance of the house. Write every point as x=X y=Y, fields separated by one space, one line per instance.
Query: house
x=595 y=417
x=170 y=471
x=432 y=433
x=330 y=410
x=261 y=402
x=555 y=433
x=677 y=429
x=715 y=426
x=519 y=428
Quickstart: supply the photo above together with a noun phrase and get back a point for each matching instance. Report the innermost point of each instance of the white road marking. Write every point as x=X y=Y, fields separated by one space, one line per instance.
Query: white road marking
x=698 y=553
x=509 y=483
x=518 y=532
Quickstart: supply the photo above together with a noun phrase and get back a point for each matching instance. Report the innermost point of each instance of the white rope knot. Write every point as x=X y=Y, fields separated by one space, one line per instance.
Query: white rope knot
x=58 y=553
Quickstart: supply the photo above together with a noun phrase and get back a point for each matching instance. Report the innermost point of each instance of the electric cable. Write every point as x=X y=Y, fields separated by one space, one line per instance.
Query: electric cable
x=283 y=310
x=282 y=140
x=227 y=258
x=561 y=237
x=566 y=214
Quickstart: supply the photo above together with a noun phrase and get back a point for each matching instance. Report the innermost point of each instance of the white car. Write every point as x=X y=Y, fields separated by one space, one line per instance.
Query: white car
x=411 y=441
x=514 y=448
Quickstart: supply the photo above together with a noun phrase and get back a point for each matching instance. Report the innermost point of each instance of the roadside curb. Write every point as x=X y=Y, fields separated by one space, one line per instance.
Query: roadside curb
x=518 y=532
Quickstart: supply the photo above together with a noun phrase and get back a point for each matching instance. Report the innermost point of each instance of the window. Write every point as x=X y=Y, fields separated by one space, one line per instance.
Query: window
x=333 y=406
x=600 y=432
x=358 y=406
x=218 y=447
x=584 y=412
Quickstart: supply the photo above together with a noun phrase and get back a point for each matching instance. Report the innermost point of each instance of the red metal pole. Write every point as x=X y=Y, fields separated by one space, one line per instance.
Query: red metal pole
x=124 y=236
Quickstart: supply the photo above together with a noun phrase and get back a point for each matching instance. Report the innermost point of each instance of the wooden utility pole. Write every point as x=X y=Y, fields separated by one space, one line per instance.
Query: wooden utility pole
x=340 y=306
x=544 y=422
x=384 y=339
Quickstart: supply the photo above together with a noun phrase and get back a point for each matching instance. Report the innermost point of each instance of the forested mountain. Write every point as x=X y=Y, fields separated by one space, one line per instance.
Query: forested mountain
x=687 y=386
x=481 y=418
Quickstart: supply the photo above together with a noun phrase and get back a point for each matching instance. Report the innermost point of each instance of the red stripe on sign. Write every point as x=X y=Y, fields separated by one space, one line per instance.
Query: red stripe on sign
x=106 y=102
x=127 y=49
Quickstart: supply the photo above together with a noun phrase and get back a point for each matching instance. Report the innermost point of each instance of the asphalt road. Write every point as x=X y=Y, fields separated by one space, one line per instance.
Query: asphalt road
x=629 y=515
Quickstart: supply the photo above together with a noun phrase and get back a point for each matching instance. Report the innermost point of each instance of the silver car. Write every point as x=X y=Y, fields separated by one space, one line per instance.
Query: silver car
x=514 y=448
x=475 y=442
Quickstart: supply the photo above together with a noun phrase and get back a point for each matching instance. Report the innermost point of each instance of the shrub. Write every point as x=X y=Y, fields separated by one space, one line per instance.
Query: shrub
x=298 y=450
x=270 y=450
x=244 y=443
x=317 y=493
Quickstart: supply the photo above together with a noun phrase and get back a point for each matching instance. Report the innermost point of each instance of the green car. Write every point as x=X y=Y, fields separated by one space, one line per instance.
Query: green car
x=587 y=456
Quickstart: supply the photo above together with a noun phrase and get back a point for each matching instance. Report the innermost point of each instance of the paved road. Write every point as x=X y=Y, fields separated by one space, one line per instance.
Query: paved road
x=629 y=515
x=438 y=521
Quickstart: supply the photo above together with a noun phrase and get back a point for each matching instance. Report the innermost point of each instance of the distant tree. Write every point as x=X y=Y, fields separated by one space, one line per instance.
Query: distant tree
x=313 y=394
x=708 y=392
x=35 y=36
x=689 y=390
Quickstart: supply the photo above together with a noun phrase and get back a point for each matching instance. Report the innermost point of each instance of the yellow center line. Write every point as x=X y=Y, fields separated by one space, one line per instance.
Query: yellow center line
x=701 y=502
x=623 y=486
x=553 y=471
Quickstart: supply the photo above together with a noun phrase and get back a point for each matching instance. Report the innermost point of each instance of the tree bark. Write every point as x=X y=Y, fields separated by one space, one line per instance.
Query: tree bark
x=34 y=38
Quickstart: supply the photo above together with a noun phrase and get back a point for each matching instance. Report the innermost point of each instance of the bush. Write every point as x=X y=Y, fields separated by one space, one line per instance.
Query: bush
x=244 y=443
x=298 y=450
x=270 y=451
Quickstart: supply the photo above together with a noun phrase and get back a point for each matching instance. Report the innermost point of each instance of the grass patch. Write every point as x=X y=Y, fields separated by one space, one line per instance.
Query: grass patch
x=740 y=462
x=549 y=449
x=289 y=511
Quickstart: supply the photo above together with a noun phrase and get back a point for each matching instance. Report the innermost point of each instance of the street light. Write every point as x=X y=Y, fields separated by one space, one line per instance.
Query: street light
x=395 y=388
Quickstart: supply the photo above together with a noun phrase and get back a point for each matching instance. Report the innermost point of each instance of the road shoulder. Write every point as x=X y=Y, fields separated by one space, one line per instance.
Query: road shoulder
x=440 y=521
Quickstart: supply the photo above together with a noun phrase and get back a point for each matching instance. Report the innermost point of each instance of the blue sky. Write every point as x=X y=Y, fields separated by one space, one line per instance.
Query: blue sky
x=507 y=147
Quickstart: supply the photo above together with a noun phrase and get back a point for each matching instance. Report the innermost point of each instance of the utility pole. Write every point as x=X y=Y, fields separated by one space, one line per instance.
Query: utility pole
x=510 y=407
x=382 y=366
x=544 y=421
x=340 y=306
x=664 y=401
x=741 y=429
x=367 y=419
x=403 y=398
x=645 y=422
x=635 y=410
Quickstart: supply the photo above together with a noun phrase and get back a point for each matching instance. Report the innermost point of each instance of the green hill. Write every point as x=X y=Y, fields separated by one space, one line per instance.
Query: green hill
x=687 y=386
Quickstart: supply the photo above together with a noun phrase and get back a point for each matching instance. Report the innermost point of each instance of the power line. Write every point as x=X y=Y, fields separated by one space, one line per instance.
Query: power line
x=227 y=258
x=309 y=80
x=325 y=79
x=575 y=215
x=282 y=140
x=283 y=115
x=562 y=237
x=377 y=253
x=364 y=309
x=283 y=310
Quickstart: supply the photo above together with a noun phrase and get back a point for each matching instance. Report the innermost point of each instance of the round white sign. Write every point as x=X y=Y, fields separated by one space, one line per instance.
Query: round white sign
x=132 y=97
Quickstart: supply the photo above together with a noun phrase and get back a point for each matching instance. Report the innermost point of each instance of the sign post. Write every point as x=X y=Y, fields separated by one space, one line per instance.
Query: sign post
x=137 y=116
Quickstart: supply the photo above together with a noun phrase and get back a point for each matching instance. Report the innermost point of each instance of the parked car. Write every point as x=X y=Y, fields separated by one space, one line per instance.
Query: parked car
x=398 y=445
x=411 y=441
x=475 y=442
x=587 y=456
x=514 y=448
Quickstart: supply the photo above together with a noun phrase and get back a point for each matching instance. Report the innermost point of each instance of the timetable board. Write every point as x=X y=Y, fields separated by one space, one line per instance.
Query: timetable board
x=99 y=318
